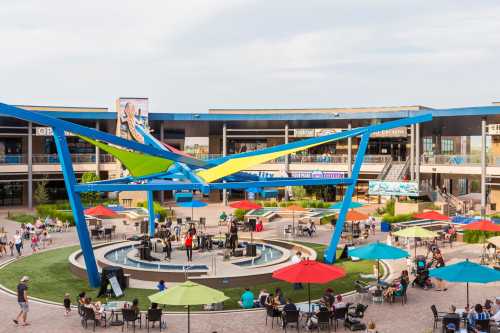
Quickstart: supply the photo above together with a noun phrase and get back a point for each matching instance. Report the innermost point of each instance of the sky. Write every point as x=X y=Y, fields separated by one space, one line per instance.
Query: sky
x=192 y=55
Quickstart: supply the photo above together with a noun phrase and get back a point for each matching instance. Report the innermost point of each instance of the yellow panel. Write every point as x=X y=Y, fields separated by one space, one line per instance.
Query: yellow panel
x=238 y=164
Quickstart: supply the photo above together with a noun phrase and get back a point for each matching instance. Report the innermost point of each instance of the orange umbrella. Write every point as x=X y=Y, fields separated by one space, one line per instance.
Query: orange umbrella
x=354 y=215
x=295 y=208
x=432 y=215
x=482 y=225
x=100 y=211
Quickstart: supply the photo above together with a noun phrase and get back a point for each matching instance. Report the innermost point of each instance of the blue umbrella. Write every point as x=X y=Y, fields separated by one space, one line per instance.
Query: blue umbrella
x=254 y=190
x=466 y=271
x=192 y=204
x=338 y=205
x=377 y=251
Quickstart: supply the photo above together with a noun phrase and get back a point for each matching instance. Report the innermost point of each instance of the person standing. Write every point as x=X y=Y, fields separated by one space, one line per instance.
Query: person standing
x=18 y=243
x=22 y=300
x=233 y=236
x=188 y=243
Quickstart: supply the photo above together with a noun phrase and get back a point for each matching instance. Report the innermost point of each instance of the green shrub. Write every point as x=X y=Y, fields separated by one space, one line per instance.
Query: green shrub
x=54 y=211
x=390 y=207
x=21 y=218
x=476 y=236
x=397 y=218
x=240 y=214
x=162 y=211
x=328 y=219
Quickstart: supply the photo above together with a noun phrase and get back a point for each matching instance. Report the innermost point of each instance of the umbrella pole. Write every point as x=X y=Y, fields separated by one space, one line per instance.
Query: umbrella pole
x=189 y=326
x=378 y=272
x=309 y=292
x=467 y=295
x=415 y=239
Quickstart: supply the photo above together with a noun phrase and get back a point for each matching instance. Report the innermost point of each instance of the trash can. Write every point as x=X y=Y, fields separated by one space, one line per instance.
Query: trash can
x=385 y=226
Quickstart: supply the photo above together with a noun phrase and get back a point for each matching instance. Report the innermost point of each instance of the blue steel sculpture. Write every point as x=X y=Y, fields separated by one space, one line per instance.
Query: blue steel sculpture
x=190 y=174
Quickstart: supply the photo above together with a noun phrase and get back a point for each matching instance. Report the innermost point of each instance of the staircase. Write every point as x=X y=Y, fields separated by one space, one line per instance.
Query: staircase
x=396 y=171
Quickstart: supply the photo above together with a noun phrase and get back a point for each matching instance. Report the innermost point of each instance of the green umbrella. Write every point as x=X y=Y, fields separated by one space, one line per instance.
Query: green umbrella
x=188 y=293
x=415 y=232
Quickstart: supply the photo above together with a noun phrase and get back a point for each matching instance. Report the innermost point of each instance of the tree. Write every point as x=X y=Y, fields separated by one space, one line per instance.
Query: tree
x=89 y=177
x=299 y=192
x=41 y=194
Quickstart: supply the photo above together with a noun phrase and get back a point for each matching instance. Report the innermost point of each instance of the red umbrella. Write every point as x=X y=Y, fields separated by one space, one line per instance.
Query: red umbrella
x=100 y=211
x=482 y=225
x=245 y=204
x=309 y=271
x=432 y=215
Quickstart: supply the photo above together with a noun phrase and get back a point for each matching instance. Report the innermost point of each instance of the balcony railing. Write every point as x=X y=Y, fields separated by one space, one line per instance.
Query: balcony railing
x=459 y=160
x=76 y=158
x=13 y=159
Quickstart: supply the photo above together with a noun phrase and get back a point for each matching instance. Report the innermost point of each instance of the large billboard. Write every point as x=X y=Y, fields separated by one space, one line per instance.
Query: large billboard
x=380 y=187
x=131 y=111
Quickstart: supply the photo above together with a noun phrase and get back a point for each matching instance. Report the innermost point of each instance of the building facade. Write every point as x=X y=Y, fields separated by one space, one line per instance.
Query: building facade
x=459 y=151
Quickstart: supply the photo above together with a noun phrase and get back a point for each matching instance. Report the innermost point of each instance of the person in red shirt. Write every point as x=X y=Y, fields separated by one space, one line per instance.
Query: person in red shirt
x=259 y=227
x=188 y=243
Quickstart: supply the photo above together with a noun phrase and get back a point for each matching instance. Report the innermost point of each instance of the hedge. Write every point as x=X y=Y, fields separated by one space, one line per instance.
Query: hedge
x=397 y=218
x=303 y=203
x=158 y=208
x=328 y=219
x=21 y=218
x=59 y=211
x=476 y=236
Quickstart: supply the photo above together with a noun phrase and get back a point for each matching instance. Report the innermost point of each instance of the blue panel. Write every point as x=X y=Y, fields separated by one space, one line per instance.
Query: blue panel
x=330 y=254
x=76 y=206
x=151 y=211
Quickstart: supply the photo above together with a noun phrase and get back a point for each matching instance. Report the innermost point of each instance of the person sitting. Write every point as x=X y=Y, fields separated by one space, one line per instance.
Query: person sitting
x=161 y=285
x=135 y=307
x=452 y=313
x=247 y=299
x=328 y=298
x=310 y=229
x=477 y=314
x=81 y=298
x=273 y=304
x=223 y=217
x=263 y=295
x=289 y=307
x=280 y=296
x=488 y=307
x=339 y=302
x=496 y=311
x=313 y=321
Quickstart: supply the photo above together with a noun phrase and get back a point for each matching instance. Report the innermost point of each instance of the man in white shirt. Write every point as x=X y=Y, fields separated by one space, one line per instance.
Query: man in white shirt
x=496 y=316
x=295 y=260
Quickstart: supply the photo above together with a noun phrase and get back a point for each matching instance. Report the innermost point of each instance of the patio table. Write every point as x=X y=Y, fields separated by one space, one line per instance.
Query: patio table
x=115 y=308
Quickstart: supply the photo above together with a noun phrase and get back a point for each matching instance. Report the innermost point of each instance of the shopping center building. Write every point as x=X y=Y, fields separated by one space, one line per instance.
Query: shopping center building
x=459 y=151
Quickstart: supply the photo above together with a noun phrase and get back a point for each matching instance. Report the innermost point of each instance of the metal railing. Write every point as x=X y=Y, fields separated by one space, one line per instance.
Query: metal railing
x=13 y=159
x=76 y=158
x=385 y=169
x=459 y=160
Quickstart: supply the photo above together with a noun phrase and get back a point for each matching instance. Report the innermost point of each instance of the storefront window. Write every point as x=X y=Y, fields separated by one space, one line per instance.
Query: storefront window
x=427 y=144
x=446 y=146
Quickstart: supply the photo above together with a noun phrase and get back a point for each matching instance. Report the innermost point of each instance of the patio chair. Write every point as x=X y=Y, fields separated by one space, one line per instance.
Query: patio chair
x=188 y=219
x=438 y=316
x=401 y=295
x=451 y=320
x=108 y=233
x=484 y=324
x=89 y=315
x=94 y=233
x=153 y=316
x=324 y=320
x=202 y=223
x=362 y=290
x=130 y=316
x=339 y=314
x=273 y=314
x=291 y=317
x=179 y=221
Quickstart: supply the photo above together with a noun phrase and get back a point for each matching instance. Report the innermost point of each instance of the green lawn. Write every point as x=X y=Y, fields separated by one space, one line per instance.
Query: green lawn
x=51 y=278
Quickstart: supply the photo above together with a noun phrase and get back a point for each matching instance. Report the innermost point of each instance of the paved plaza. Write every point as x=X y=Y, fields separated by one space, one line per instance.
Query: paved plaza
x=415 y=316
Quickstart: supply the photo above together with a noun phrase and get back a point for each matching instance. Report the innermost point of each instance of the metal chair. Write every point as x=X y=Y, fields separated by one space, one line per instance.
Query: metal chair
x=153 y=316
x=324 y=320
x=339 y=314
x=130 y=316
x=273 y=314
x=438 y=316
x=291 y=317
x=451 y=320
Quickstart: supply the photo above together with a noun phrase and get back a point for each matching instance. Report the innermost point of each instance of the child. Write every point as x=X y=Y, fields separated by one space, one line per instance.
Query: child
x=11 y=246
x=67 y=304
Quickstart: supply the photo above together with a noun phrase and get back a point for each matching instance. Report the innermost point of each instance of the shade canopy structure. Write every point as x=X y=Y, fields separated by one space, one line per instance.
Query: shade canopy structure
x=100 y=211
x=338 y=205
x=186 y=294
x=495 y=241
x=295 y=208
x=466 y=272
x=415 y=232
x=309 y=271
x=378 y=251
x=253 y=190
x=482 y=225
x=432 y=215
x=192 y=204
x=354 y=215
x=245 y=204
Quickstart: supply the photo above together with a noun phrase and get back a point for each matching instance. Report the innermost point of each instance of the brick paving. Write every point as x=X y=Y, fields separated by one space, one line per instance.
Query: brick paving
x=413 y=317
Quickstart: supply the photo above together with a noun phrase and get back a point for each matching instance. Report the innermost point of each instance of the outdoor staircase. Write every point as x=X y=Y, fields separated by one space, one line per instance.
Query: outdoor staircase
x=396 y=171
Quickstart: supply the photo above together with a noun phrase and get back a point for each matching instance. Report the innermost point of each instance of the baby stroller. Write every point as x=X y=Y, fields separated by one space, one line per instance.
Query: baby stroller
x=354 y=315
x=422 y=274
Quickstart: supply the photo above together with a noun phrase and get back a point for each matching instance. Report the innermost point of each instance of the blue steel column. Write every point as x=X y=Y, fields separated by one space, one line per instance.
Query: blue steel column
x=330 y=255
x=76 y=205
x=151 y=210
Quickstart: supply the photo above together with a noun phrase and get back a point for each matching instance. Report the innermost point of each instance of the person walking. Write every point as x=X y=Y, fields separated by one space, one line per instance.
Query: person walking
x=22 y=300
x=18 y=242
x=188 y=243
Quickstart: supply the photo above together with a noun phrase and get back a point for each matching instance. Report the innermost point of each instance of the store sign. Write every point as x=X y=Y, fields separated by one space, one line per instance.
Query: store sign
x=314 y=132
x=380 y=187
x=398 y=132
x=494 y=129
x=317 y=174
x=132 y=112
x=47 y=131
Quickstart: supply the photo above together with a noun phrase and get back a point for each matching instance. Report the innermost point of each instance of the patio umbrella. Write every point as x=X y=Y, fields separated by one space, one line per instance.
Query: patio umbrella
x=193 y=204
x=432 y=215
x=338 y=205
x=309 y=271
x=245 y=204
x=354 y=215
x=466 y=271
x=484 y=226
x=100 y=211
x=295 y=208
x=415 y=232
x=186 y=294
x=378 y=251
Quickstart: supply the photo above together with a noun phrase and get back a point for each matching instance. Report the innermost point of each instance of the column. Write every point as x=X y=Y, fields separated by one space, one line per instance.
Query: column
x=287 y=163
x=224 y=151
x=97 y=152
x=30 y=165
x=412 y=151
x=483 y=167
x=162 y=137
x=417 y=154
x=151 y=213
x=349 y=151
